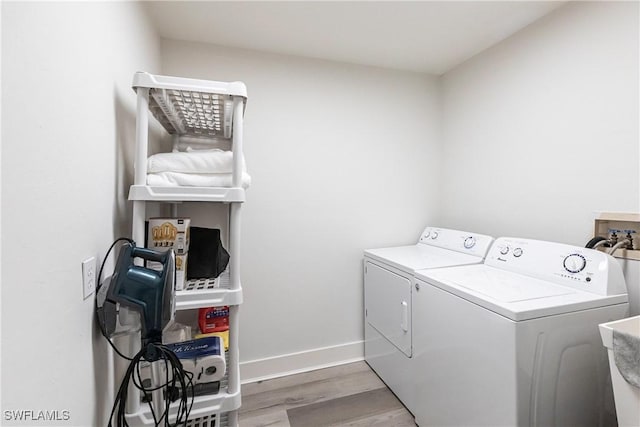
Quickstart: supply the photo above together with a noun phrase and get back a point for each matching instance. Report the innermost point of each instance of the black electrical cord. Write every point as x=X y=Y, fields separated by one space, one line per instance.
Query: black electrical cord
x=99 y=285
x=178 y=385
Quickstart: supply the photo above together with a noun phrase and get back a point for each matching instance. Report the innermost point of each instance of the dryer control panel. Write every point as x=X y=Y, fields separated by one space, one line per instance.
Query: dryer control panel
x=573 y=266
x=456 y=240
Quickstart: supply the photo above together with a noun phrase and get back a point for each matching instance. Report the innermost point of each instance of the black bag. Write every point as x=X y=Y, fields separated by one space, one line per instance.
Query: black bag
x=207 y=257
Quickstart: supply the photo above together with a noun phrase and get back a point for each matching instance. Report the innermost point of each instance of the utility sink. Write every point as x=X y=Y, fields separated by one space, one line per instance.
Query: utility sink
x=627 y=396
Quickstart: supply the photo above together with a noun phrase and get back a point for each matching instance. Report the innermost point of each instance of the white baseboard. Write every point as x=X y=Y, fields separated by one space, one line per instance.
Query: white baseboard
x=303 y=361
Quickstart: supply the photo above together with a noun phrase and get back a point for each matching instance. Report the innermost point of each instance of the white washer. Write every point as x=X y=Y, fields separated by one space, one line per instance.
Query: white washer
x=514 y=341
x=388 y=290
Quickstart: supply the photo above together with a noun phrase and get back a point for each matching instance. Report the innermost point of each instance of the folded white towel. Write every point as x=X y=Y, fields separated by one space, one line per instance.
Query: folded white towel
x=193 y=161
x=173 y=179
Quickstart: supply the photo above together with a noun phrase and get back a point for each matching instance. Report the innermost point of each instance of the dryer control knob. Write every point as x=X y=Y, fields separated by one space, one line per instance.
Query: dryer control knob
x=517 y=252
x=504 y=250
x=574 y=263
x=469 y=242
x=434 y=235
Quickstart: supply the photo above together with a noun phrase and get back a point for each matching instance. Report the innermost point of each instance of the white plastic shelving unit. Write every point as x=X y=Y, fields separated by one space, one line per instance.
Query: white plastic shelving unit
x=206 y=110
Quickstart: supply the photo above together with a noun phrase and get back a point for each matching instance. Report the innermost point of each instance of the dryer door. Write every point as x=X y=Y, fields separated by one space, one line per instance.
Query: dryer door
x=387 y=298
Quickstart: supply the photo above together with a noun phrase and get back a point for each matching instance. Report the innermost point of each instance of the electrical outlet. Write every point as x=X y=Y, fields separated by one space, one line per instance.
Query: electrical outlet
x=88 y=277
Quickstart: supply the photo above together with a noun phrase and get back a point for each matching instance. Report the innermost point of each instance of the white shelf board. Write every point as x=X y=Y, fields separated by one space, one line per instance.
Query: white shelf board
x=154 y=81
x=191 y=107
x=199 y=293
x=202 y=406
x=186 y=194
x=188 y=300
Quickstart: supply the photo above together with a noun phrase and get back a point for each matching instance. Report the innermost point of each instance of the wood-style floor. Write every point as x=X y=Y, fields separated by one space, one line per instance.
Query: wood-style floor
x=346 y=395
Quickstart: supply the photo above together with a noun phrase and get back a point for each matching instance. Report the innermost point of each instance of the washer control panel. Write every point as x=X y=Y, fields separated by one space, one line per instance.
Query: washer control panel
x=573 y=266
x=461 y=241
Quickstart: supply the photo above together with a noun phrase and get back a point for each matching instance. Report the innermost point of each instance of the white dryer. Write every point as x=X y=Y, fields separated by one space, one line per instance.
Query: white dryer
x=514 y=341
x=388 y=290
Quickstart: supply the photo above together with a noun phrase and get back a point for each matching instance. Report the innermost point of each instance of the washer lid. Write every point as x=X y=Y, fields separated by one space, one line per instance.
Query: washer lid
x=418 y=257
x=500 y=287
x=513 y=295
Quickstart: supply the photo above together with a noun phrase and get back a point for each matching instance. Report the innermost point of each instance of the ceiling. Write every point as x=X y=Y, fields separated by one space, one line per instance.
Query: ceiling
x=431 y=37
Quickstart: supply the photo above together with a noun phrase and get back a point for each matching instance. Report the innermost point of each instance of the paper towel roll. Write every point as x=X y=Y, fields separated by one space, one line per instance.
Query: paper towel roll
x=210 y=368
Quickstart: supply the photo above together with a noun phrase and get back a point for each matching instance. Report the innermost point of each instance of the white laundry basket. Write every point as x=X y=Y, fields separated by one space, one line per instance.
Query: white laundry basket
x=627 y=397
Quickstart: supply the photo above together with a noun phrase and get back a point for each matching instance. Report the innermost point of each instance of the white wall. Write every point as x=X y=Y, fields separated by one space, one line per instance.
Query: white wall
x=541 y=131
x=339 y=156
x=68 y=125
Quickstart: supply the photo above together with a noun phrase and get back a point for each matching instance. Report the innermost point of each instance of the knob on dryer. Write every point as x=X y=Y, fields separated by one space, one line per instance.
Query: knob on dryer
x=469 y=242
x=434 y=235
